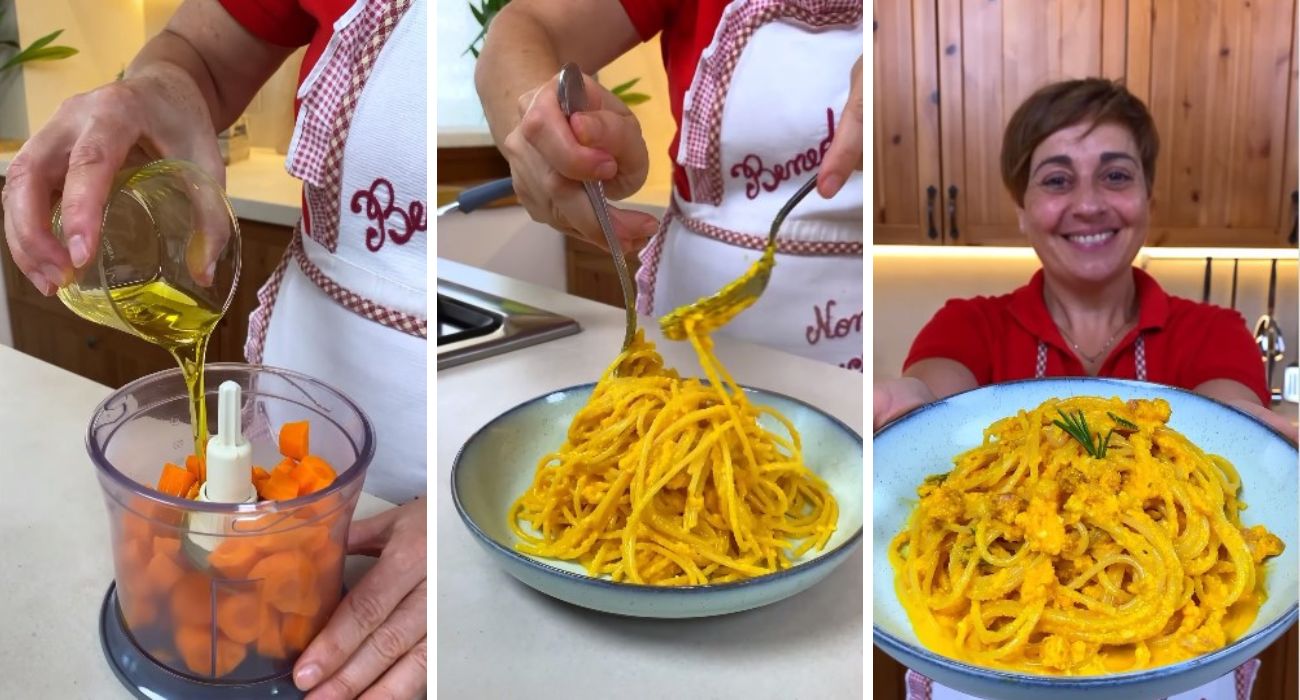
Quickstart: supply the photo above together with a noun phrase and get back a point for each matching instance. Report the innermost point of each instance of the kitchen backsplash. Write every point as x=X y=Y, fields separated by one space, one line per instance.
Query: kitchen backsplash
x=909 y=289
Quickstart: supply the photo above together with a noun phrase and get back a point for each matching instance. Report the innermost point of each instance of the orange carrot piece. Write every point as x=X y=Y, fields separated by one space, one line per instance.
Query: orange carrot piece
x=304 y=538
x=319 y=467
x=195 y=645
x=163 y=572
x=169 y=546
x=270 y=642
x=259 y=474
x=138 y=610
x=280 y=487
x=297 y=632
x=193 y=493
x=132 y=553
x=293 y=439
x=238 y=616
x=288 y=582
x=284 y=468
x=175 y=481
x=198 y=467
x=191 y=600
x=234 y=557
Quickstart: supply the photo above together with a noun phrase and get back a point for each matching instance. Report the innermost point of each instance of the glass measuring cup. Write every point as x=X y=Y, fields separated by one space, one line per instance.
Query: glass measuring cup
x=168 y=258
x=216 y=602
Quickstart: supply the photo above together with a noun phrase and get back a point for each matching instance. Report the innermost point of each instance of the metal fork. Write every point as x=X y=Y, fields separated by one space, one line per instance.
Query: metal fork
x=573 y=99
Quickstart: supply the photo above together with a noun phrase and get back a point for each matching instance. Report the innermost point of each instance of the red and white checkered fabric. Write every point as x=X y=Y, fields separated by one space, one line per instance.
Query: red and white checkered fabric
x=648 y=273
x=785 y=246
x=326 y=112
x=918 y=687
x=703 y=104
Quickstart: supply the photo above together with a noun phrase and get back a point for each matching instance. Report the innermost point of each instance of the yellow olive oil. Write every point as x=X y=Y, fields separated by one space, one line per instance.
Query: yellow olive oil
x=167 y=317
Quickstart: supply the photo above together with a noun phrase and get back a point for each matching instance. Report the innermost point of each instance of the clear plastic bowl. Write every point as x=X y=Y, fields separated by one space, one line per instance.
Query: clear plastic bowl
x=232 y=598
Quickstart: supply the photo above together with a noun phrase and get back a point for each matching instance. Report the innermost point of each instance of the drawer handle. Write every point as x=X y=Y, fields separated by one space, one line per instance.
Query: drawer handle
x=1295 y=215
x=92 y=341
x=952 y=212
x=930 y=193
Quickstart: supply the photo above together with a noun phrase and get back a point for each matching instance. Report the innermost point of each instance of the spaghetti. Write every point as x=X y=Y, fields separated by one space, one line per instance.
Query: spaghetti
x=1045 y=553
x=672 y=482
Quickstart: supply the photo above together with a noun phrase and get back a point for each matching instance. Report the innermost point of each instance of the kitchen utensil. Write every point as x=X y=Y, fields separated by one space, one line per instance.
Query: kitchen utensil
x=1205 y=286
x=716 y=311
x=1268 y=335
x=1233 y=303
x=498 y=463
x=926 y=441
x=479 y=195
x=173 y=601
x=573 y=99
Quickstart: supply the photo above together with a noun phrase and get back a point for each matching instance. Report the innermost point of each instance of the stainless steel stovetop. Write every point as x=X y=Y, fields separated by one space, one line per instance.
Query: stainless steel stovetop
x=473 y=325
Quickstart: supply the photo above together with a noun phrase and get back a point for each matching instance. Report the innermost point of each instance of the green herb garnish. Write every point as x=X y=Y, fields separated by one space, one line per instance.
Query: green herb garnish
x=1077 y=427
x=1121 y=422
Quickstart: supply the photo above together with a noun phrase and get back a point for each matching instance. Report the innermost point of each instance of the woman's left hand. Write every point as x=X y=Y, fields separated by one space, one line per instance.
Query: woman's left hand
x=845 y=152
x=375 y=644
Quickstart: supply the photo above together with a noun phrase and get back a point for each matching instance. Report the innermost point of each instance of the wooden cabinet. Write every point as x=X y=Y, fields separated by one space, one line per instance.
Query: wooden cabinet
x=591 y=274
x=1218 y=76
x=45 y=328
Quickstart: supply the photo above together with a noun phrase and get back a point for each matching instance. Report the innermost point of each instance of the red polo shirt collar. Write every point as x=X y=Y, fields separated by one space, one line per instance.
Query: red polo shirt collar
x=1029 y=309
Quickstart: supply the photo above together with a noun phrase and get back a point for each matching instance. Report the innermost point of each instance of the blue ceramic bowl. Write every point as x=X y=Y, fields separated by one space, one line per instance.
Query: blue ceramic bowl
x=925 y=441
x=498 y=462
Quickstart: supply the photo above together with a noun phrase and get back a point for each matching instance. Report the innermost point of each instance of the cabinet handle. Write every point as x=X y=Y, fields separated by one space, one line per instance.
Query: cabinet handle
x=1295 y=215
x=930 y=193
x=952 y=212
x=92 y=341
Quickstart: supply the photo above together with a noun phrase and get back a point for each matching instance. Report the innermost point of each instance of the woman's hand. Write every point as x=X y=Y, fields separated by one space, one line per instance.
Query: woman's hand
x=894 y=397
x=551 y=156
x=78 y=152
x=375 y=643
x=845 y=152
x=1273 y=420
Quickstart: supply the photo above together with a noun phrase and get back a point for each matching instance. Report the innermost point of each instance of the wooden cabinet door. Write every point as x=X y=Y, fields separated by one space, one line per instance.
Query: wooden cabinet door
x=992 y=55
x=905 y=159
x=1216 y=75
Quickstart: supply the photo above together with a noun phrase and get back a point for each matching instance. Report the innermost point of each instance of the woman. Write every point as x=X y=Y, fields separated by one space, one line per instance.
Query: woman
x=726 y=63
x=347 y=303
x=1079 y=159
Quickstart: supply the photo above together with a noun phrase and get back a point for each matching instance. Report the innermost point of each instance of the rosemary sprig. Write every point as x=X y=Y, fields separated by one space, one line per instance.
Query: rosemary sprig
x=1077 y=427
x=1121 y=422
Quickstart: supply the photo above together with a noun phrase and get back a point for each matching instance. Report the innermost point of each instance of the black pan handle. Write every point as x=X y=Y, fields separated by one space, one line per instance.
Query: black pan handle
x=952 y=212
x=930 y=193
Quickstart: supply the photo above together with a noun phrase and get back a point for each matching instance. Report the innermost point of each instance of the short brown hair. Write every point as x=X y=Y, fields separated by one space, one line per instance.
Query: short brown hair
x=1065 y=104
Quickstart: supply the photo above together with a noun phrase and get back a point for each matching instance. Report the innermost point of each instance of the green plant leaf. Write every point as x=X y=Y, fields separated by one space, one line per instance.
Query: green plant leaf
x=48 y=53
x=620 y=89
x=45 y=40
x=632 y=99
x=477 y=15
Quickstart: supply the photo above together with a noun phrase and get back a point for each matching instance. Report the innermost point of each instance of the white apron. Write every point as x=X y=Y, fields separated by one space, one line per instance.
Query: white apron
x=756 y=124
x=348 y=303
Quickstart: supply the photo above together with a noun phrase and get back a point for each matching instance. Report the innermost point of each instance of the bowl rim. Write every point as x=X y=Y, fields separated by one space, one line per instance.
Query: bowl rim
x=845 y=547
x=1274 y=627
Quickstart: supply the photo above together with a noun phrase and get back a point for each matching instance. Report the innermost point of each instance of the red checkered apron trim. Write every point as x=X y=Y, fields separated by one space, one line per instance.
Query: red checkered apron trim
x=259 y=320
x=1139 y=352
x=787 y=246
x=648 y=272
x=708 y=92
x=317 y=155
x=919 y=687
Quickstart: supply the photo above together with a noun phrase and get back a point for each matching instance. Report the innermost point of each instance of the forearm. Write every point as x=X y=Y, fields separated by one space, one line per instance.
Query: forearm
x=518 y=55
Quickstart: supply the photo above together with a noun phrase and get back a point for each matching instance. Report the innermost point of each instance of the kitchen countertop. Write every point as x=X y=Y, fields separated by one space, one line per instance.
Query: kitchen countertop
x=53 y=533
x=259 y=188
x=500 y=639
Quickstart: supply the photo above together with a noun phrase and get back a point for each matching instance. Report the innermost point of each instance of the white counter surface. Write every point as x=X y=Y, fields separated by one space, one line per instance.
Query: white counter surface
x=500 y=639
x=258 y=187
x=57 y=561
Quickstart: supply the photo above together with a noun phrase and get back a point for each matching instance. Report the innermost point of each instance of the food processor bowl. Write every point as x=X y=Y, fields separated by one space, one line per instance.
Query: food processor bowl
x=216 y=599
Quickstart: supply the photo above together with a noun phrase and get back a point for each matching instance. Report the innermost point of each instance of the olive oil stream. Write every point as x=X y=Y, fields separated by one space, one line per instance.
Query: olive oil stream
x=169 y=318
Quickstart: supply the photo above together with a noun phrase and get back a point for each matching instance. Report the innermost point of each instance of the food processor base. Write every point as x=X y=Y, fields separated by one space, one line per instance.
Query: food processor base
x=147 y=679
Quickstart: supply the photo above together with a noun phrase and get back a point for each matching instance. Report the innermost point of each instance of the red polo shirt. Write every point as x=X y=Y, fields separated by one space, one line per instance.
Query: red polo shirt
x=1187 y=343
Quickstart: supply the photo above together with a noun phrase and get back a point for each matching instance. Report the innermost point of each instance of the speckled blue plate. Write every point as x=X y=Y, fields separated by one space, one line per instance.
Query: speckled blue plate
x=925 y=442
x=498 y=462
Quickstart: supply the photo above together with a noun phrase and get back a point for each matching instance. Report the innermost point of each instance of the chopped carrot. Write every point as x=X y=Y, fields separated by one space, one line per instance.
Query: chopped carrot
x=197 y=466
x=293 y=439
x=260 y=474
x=138 y=610
x=297 y=632
x=164 y=572
x=280 y=487
x=132 y=553
x=194 y=491
x=288 y=582
x=313 y=474
x=234 y=557
x=195 y=645
x=163 y=655
x=304 y=538
x=191 y=600
x=238 y=616
x=175 y=481
x=320 y=467
x=169 y=546
x=285 y=467
x=270 y=643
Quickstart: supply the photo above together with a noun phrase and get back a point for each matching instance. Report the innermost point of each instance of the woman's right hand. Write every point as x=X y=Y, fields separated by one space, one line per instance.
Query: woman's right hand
x=551 y=156
x=892 y=398
x=78 y=153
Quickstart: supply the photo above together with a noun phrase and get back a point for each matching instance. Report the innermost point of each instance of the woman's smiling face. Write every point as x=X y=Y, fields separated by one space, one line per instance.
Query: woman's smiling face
x=1087 y=206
